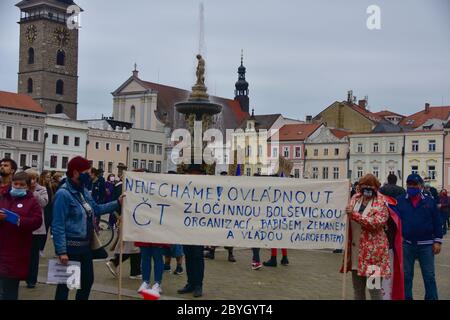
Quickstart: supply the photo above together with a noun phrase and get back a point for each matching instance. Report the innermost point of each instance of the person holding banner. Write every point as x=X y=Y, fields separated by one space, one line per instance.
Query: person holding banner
x=20 y=215
x=368 y=246
x=73 y=224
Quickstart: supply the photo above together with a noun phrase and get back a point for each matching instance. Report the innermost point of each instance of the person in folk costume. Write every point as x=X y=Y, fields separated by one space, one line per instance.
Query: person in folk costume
x=368 y=244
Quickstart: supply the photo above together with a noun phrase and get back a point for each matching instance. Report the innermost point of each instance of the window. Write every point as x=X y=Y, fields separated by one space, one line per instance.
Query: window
x=414 y=169
x=135 y=164
x=133 y=115
x=34 y=160
x=53 y=162
x=325 y=173
x=23 y=160
x=110 y=167
x=7 y=155
x=298 y=152
x=143 y=164
x=258 y=170
x=108 y=146
x=275 y=152
x=55 y=139
x=31 y=56
x=66 y=140
x=336 y=151
x=24 y=134
x=60 y=87
x=325 y=151
x=150 y=166
x=158 y=166
x=297 y=173
x=8 y=132
x=159 y=150
x=360 y=148
x=97 y=145
x=249 y=172
x=118 y=147
x=77 y=141
x=391 y=146
x=60 y=58
x=59 y=109
x=136 y=147
x=143 y=148
x=376 y=147
x=316 y=152
x=415 y=146
x=36 y=135
x=101 y=166
x=359 y=172
x=336 y=173
x=30 y=85
x=260 y=150
x=151 y=149
x=286 y=152
x=432 y=145
x=315 y=173
x=376 y=171
x=432 y=172
x=65 y=161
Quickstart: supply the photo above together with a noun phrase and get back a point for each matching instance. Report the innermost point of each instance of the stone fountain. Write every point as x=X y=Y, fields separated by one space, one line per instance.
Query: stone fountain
x=198 y=107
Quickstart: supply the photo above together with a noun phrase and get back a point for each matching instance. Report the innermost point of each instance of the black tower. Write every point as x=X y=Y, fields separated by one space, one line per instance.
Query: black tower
x=241 y=92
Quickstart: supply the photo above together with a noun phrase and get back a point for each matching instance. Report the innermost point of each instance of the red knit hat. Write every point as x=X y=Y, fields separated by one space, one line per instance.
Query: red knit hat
x=79 y=164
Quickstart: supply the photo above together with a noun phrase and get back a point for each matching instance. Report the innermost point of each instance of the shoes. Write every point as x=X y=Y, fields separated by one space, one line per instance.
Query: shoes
x=112 y=268
x=337 y=251
x=144 y=286
x=31 y=285
x=167 y=267
x=231 y=258
x=138 y=277
x=178 y=270
x=187 y=289
x=271 y=263
x=256 y=265
x=198 y=292
x=157 y=287
x=210 y=255
x=284 y=261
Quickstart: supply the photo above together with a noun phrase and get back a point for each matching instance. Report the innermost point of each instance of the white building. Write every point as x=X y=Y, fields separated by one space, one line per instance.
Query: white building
x=147 y=150
x=65 y=139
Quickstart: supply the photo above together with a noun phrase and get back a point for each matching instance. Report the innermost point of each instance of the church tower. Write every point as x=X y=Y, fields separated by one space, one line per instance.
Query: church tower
x=48 y=58
x=241 y=92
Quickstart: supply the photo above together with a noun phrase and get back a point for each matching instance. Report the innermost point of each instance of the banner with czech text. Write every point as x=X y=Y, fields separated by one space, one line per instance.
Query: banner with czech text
x=253 y=212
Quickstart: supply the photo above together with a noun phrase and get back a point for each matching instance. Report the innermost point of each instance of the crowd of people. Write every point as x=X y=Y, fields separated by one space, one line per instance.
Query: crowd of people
x=389 y=229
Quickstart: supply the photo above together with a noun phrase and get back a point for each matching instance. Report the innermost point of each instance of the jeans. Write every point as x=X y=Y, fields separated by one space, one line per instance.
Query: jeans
x=255 y=252
x=425 y=255
x=135 y=262
x=87 y=278
x=34 y=261
x=9 y=289
x=147 y=253
x=195 y=265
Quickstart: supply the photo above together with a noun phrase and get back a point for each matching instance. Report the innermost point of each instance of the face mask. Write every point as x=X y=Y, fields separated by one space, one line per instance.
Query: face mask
x=413 y=191
x=17 y=193
x=368 y=192
x=84 y=179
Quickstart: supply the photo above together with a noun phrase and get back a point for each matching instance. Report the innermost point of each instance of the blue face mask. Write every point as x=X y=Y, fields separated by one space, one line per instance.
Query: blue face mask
x=412 y=192
x=84 y=178
x=17 y=193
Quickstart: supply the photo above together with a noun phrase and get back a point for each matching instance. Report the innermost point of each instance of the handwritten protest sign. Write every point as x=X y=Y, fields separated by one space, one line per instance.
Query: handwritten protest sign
x=264 y=212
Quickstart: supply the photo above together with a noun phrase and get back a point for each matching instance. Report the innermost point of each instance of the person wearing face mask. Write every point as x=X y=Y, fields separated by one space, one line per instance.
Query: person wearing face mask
x=7 y=169
x=73 y=224
x=16 y=239
x=422 y=235
x=368 y=246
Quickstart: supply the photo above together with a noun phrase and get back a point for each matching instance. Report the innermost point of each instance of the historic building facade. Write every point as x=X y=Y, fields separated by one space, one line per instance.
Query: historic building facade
x=48 y=56
x=147 y=150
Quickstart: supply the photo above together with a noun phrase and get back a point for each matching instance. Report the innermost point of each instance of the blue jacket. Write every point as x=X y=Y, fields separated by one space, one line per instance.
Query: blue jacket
x=69 y=217
x=421 y=225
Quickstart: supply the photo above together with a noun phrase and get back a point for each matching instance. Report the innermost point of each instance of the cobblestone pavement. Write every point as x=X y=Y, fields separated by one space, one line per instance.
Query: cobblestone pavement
x=310 y=275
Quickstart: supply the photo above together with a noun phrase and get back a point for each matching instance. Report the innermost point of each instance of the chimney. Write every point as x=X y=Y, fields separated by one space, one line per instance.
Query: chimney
x=363 y=103
x=350 y=96
x=308 y=119
x=427 y=107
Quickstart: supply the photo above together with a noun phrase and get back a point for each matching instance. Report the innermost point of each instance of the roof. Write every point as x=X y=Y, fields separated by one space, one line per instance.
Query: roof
x=366 y=113
x=339 y=133
x=297 y=132
x=388 y=127
x=262 y=122
x=21 y=102
x=419 y=118
x=387 y=113
x=59 y=3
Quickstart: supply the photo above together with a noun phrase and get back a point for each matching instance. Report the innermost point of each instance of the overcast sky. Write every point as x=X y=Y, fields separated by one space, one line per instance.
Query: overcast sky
x=301 y=55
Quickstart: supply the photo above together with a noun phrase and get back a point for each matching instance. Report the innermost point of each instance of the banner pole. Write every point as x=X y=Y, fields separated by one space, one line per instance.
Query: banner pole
x=344 y=282
x=121 y=247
